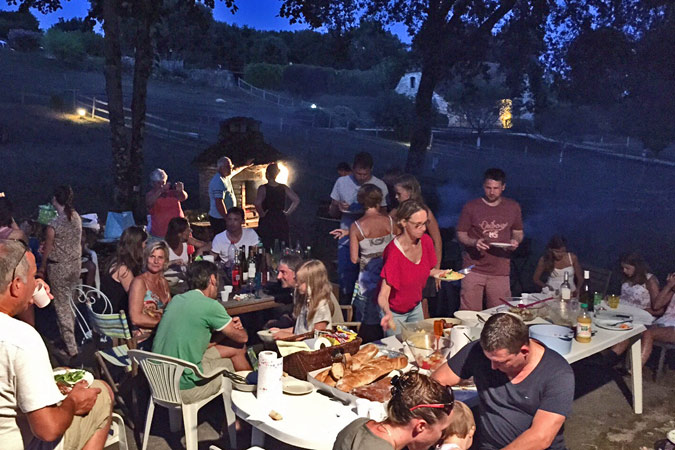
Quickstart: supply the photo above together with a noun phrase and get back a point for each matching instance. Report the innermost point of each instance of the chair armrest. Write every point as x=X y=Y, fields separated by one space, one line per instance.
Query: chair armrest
x=347 y=312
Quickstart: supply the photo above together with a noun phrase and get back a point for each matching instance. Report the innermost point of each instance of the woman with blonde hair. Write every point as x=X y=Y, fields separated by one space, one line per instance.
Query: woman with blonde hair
x=313 y=307
x=149 y=292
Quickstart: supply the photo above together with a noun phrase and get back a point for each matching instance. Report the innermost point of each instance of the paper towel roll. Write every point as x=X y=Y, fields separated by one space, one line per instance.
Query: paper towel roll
x=458 y=338
x=269 y=391
x=321 y=342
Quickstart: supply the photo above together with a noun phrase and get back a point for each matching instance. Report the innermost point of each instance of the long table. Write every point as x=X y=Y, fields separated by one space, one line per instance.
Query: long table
x=235 y=308
x=313 y=421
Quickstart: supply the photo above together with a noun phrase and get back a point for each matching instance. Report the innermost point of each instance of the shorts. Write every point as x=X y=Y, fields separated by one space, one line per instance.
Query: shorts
x=83 y=427
x=210 y=362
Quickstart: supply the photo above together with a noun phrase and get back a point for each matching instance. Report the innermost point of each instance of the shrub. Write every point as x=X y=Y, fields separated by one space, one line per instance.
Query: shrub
x=396 y=111
x=305 y=81
x=264 y=76
x=24 y=40
x=65 y=46
x=17 y=20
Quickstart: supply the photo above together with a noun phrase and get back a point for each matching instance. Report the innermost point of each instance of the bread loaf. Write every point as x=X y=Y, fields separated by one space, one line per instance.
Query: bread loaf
x=363 y=356
x=321 y=376
x=371 y=372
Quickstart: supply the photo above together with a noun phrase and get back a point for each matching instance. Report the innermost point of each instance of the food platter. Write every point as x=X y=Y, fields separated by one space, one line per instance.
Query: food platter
x=614 y=325
x=500 y=244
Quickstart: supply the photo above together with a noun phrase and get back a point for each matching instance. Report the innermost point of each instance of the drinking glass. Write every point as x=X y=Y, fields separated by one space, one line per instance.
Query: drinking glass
x=613 y=301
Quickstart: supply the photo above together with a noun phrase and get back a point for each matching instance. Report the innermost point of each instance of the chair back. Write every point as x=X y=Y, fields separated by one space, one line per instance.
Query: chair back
x=114 y=326
x=599 y=279
x=163 y=374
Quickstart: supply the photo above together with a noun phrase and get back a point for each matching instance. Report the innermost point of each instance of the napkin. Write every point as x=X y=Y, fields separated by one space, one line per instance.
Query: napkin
x=459 y=337
x=269 y=388
x=288 y=347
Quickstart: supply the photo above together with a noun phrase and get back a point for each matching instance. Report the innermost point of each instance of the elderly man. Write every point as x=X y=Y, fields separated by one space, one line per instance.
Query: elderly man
x=490 y=228
x=344 y=204
x=221 y=193
x=163 y=202
x=33 y=412
x=525 y=389
x=186 y=330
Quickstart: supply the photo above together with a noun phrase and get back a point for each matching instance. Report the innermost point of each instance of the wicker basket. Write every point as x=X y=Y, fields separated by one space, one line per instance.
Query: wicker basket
x=299 y=364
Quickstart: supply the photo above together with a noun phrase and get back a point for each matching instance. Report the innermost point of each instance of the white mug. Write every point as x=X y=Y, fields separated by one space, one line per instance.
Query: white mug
x=40 y=296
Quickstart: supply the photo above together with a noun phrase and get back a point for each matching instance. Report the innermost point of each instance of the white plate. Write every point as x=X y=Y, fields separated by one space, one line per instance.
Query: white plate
x=671 y=436
x=244 y=387
x=88 y=376
x=606 y=324
x=293 y=386
x=500 y=244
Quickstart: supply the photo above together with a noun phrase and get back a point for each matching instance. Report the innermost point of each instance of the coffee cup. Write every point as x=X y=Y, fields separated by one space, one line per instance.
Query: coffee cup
x=40 y=296
x=225 y=293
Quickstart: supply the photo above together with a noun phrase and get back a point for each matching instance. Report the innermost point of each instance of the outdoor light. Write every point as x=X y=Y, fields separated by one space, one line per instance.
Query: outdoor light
x=282 y=178
x=313 y=106
x=81 y=112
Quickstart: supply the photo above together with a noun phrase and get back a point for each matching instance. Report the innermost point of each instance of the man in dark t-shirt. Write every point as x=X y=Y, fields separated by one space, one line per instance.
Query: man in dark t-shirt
x=525 y=390
x=490 y=228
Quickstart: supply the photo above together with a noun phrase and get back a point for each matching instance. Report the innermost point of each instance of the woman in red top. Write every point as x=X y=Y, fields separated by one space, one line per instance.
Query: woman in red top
x=408 y=261
x=163 y=202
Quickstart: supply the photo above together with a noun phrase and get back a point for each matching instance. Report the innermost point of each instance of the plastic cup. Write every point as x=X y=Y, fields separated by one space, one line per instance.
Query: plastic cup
x=40 y=296
x=208 y=258
x=613 y=301
x=225 y=293
x=362 y=407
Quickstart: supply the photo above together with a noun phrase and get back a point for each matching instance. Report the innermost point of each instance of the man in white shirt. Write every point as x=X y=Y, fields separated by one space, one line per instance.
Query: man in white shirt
x=344 y=203
x=33 y=412
x=235 y=237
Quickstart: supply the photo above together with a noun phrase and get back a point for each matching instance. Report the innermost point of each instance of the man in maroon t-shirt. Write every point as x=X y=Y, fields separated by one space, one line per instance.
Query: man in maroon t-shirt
x=490 y=228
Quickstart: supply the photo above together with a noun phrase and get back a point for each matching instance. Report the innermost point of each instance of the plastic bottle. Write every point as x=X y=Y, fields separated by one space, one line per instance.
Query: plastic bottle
x=584 y=323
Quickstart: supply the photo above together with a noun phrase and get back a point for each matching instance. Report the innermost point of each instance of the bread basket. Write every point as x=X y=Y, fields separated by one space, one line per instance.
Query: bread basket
x=299 y=364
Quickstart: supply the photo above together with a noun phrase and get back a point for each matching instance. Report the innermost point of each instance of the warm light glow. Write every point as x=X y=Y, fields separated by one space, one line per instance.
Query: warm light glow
x=313 y=106
x=505 y=116
x=282 y=178
x=81 y=112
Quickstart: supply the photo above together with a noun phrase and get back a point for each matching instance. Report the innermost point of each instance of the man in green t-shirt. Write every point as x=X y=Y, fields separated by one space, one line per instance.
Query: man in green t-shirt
x=186 y=329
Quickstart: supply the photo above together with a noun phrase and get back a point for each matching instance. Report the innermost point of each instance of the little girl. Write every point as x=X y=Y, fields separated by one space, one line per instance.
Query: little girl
x=313 y=307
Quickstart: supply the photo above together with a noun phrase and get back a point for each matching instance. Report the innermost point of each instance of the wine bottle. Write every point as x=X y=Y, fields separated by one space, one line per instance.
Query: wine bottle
x=585 y=295
x=565 y=289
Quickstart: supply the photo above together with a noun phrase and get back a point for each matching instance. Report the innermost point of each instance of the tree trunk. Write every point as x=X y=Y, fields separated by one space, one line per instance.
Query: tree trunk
x=142 y=70
x=421 y=132
x=113 y=84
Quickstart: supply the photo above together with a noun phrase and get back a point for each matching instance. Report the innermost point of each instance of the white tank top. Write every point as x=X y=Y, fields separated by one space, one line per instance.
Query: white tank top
x=557 y=276
x=183 y=257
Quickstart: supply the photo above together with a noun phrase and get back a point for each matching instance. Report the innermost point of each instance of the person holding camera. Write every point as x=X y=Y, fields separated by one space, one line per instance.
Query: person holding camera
x=163 y=202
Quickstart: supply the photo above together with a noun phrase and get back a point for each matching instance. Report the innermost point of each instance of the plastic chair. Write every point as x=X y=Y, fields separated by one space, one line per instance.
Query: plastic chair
x=663 y=347
x=118 y=433
x=163 y=374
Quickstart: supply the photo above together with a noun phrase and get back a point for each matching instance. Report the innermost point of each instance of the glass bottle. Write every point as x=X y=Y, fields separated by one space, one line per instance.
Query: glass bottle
x=584 y=321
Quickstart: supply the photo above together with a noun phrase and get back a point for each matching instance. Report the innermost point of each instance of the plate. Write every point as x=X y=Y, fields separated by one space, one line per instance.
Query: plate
x=88 y=377
x=609 y=325
x=500 y=244
x=244 y=387
x=293 y=386
x=450 y=276
x=671 y=436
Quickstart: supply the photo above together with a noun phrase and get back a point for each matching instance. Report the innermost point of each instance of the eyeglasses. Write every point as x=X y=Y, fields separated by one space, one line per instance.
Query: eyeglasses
x=418 y=225
x=16 y=266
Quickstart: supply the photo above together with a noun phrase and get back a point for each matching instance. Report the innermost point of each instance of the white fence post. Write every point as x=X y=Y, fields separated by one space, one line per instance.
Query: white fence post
x=93 y=107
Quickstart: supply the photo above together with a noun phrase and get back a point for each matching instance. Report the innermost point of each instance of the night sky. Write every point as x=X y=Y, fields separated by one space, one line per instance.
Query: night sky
x=258 y=14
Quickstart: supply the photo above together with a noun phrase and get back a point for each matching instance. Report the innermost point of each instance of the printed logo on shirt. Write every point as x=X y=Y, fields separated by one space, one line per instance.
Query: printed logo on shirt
x=491 y=229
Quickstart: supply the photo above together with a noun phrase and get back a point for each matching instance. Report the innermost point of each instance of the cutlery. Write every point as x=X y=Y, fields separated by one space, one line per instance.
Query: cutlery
x=467 y=270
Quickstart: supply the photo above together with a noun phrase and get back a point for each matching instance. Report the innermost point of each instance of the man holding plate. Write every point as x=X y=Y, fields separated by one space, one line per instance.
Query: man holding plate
x=490 y=228
x=34 y=414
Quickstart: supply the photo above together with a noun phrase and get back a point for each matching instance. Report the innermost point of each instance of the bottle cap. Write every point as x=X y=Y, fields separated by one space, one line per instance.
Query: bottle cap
x=584 y=305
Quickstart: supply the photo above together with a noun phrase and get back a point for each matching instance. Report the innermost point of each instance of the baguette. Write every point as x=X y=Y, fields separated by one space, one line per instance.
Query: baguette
x=337 y=370
x=371 y=372
x=364 y=355
x=321 y=376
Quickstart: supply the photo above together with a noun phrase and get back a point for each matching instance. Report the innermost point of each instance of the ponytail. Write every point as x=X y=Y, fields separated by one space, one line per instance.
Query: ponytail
x=64 y=196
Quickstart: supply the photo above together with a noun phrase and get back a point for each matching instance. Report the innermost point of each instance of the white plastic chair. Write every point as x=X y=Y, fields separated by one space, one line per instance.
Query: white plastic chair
x=118 y=433
x=163 y=374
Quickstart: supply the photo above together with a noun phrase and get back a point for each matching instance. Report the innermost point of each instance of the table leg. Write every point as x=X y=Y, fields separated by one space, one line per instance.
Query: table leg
x=636 y=374
x=257 y=438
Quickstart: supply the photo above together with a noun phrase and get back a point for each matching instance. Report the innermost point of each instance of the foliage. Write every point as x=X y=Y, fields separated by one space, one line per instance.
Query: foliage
x=24 y=40
x=394 y=110
x=22 y=20
x=269 y=49
x=265 y=76
x=74 y=24
x=65 y=46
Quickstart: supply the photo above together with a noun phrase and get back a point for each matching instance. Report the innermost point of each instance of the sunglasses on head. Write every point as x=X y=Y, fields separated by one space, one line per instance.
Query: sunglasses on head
x=446 y=407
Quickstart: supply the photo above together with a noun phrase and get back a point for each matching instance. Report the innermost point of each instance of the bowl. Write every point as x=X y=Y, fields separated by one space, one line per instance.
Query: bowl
x=428 y=350
x=555 y=337
x=266 y=336
x=244 y=387
x=470 y=318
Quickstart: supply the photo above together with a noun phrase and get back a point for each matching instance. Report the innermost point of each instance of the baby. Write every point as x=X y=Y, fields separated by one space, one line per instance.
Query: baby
x=461 y=429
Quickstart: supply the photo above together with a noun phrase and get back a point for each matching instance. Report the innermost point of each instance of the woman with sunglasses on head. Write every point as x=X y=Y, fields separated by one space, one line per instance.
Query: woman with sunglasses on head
x=418 y=416
x=408 y=261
